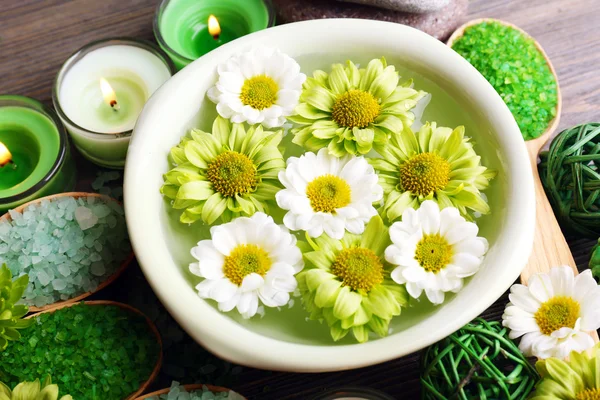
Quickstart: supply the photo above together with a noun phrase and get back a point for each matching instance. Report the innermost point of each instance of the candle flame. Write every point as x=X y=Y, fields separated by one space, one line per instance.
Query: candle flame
x=213 y=27
x=110 y=97
x=5 y=156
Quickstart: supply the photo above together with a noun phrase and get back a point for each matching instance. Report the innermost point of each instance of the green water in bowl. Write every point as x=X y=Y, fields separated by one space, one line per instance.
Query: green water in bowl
x=446 y=105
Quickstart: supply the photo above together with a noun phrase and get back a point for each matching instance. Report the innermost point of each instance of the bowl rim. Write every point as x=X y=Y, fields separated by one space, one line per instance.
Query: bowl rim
x=236 y=343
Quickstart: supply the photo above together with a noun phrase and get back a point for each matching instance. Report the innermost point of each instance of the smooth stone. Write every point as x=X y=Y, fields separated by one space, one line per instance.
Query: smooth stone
x=439 y=24
x=411 y=6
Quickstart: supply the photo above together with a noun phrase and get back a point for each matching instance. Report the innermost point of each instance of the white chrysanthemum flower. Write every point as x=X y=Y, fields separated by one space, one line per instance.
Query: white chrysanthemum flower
x=554 y=314
x=324 y=193
x=262 y=85
x=434 y=250
x=246 y=260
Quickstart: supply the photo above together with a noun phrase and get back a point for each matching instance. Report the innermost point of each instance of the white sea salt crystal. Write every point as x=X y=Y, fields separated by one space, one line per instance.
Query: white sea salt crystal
x=64 y=270
x=97 y=269
x=59 y=284
x=43 y=278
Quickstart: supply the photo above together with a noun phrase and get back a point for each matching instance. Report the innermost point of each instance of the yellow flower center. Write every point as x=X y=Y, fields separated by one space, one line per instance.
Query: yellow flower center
x=259 y=92
x=424 y=173
x=358 y=268
x=433 y=253
x=355 y=108
x=556 y=313
x=246 y=259
x=589 y=394
x=328 y=193
x=232 y=173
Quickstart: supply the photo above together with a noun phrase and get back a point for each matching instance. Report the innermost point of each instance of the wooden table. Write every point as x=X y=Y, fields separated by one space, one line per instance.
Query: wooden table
x=36 y=36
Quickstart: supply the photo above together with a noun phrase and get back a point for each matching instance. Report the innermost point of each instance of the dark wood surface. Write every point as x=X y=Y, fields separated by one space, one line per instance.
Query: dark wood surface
x=36 y=36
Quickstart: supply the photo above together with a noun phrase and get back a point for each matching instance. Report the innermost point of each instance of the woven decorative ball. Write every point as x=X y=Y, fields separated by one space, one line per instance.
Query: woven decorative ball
x=477 y=362
x=571 y=178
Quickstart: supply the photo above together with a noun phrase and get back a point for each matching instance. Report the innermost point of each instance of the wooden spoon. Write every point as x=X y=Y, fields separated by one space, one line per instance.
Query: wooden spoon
x=127 y=307
x=550 y=248
x=189 y=388
x=102 y=285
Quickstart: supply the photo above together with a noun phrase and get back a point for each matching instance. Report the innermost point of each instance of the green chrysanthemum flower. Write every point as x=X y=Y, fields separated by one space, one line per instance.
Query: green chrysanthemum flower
x=352 y=110
x=32 y=391
x=228 y=173
x=435 y=163
x=576 y=379
x=348 y=284
x=11 y=314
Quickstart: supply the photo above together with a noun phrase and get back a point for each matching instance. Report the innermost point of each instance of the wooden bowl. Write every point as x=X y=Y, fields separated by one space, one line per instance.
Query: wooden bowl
x=553 y=124
x=189 y=388
x=158 y=365
x=108 y=281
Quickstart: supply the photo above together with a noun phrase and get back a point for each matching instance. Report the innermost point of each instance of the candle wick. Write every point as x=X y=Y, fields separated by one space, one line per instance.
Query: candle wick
x=216 y=36
x=115 y=106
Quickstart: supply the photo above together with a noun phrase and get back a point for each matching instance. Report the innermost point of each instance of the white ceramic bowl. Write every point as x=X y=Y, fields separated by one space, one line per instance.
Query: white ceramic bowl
x=272 y=344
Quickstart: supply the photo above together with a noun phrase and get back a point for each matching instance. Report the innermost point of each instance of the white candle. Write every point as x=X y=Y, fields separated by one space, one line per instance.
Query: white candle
x=100 y=92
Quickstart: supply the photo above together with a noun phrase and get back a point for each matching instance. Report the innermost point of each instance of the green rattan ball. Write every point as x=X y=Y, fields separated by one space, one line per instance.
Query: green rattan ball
x=477 y=362
x=571 y=178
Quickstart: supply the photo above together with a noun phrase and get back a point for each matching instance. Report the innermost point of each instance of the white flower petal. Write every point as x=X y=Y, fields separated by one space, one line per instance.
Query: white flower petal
x=223 y=290
x=252 y=282
x=301 y=171
x=562 y=281
x=540 y=287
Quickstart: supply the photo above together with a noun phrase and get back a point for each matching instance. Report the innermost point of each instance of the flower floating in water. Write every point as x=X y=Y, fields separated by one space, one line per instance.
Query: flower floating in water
x=435 y=163
x=327 y=194
x=554 y=313
x=575 y=379
x=261 y=86
x=32 y=391
x=351 y=110
x=247 y=259
x=349 y=285
x=228 y=173
x=434 y=251
x=10 y=313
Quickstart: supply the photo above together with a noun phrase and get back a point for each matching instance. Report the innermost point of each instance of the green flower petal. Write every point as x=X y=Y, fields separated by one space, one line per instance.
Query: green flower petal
x=385 y=84
x=320 y=98
x=379 y=325
x=213 y=208
x=374 y=69
x=193 y=183
x=338 y=80
x=50 y=392
x=347 y=303
x=221 y=130
x=195 y=190
x=466 y=177
x=375 y=236
x=361 y=333
x=327 y=293
x=388 y=116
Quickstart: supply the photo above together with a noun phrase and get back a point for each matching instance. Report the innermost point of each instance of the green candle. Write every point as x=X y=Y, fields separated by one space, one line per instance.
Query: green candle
x=182 y=26
x=36 y=144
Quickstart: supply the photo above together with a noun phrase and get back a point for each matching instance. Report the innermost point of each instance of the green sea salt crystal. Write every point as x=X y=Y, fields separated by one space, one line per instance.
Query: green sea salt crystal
x=178 y=392
x=518 y=71
x=94 y=352
x=67 y=246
